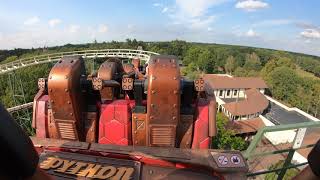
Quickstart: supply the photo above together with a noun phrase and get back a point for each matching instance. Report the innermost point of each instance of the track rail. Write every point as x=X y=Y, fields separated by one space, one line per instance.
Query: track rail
x=41 y=59
x=20 y=107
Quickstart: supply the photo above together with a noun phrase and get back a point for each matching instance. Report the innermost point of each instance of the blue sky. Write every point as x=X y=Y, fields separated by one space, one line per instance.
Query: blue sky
x=292 y=25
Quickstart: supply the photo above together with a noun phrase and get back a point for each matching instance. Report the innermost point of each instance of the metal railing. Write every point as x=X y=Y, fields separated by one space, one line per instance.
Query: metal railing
x=297 y=145
x=46 y=58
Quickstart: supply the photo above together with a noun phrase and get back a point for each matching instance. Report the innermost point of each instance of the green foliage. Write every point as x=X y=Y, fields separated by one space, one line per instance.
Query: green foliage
x=288 y=176
x=252 y=62
x=230 y=65
x=283 y=83
x=226 y=138
x=191 y=71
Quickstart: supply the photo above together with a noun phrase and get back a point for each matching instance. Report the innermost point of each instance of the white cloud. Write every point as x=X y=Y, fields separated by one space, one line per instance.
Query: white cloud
x=193 y=14
x=209 y=29
x=273 y=22
x=156 y=4
x=198 y=23
x=311 y=33
x=73 y=28
x=196 y=8
x=102 y=28
x=31 y=21
x=165 y=9
x=251 y=5
x=54 y=22
x=251 y=33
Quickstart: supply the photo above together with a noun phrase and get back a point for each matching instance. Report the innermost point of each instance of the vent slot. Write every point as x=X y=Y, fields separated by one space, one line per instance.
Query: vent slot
x=66 y=131
x=162 y=136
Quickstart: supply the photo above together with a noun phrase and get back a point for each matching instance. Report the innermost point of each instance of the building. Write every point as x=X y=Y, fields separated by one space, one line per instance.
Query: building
x=239 y=98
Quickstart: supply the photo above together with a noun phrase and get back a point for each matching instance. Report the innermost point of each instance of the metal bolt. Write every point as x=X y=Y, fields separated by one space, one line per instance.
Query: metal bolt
x=174 y=118
x=71 y=114
x=50 y=77
x=69 y=102
x=151 y=117
x=153 y=92
x=135 y=132
x=152 y=105
x=135 y=117
x=66 y=77
x=136 y=142
x=174 y=105
x=66 y=90
x=174 y=78
x=175 y=92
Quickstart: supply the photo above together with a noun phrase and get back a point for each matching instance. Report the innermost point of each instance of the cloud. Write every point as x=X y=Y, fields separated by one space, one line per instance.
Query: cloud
x=193 y=14
x=196 y=8
x=311 y=33
x=251 y=5
x=156 y=4
x=306 y=25
x=198 y=23
x=73 y=28
x=31 y=21
x=251 y=33
x=273 y=22
x=165 y=9
x=54 y=22
x=102 y=28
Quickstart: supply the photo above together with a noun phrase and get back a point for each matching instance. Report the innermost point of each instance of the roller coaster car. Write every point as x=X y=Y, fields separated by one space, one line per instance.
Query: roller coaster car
x=127 y=121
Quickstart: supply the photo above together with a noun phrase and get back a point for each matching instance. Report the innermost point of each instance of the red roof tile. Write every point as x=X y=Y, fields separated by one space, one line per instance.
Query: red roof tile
x=255 y=102
x=227 y=82
x=246 y=126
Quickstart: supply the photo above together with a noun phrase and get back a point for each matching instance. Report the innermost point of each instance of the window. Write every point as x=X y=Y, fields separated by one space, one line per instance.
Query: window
x=228 y=93
x=220 y=93
x=235 y=92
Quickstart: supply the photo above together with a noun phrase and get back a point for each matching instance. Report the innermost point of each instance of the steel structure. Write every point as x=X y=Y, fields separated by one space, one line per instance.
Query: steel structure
x=296 y=145
x=119 y=53
x=20 y=109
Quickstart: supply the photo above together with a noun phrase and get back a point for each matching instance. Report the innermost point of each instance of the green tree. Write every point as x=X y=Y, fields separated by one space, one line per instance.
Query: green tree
x=283 y=82
x=230 y=65
x=206 y=61
x=226 y=138
x=252 y=62
x=192 y=55
x=288 y=176
x=240 y=72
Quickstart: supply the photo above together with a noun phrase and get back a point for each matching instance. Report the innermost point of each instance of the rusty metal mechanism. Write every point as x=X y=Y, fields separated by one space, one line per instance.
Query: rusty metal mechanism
x=127 y=106
x=116 y=106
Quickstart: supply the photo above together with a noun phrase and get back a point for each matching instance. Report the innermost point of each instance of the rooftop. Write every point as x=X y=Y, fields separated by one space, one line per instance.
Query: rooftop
x=246 y=126
x=279 y=115
x=223 y=81
x=254 y=103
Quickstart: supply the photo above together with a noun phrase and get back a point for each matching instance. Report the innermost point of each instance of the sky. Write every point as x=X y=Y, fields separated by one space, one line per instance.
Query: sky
x=292 y=25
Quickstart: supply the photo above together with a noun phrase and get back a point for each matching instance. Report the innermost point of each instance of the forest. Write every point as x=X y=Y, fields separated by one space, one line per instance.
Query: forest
x=293 y=78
